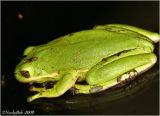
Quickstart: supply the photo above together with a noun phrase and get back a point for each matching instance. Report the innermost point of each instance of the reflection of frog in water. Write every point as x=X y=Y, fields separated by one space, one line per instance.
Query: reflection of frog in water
x=103 y=57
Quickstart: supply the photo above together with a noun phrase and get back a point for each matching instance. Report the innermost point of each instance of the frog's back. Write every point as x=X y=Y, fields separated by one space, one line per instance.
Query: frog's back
x=84 y=49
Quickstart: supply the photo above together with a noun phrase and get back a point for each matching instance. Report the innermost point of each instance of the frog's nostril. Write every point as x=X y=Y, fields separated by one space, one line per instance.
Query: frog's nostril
x=25 y=73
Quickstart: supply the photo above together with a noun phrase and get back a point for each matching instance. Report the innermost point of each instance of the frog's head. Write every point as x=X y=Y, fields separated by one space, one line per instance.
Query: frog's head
x=32 y=67
x=30 y=70
x=27 y=72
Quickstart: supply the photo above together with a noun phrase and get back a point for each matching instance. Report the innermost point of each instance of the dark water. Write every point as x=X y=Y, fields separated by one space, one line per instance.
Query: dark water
x=34 y=23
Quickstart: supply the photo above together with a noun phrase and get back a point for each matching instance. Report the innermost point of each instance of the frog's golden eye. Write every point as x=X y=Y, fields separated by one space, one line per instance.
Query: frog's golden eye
x=25 y=73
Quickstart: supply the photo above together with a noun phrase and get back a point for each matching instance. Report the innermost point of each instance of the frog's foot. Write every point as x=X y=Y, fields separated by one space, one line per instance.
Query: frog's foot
x=73 y=90
x=127 y=77
x=47 y=93
x=64 y=84
x=42 y=86
x=37 y=89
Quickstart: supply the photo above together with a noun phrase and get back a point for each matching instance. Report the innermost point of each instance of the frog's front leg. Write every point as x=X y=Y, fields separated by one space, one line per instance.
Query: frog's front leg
x=66 y=82
x=105 y=75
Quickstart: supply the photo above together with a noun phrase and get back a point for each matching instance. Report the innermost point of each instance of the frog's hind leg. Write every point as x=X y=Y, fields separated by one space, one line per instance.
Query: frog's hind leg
x=119 y=81
x=65 y=83
x=88 y=89
x=102 y=77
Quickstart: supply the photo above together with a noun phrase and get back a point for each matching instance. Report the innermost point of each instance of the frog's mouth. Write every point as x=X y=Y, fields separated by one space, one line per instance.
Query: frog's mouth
x=39 y=81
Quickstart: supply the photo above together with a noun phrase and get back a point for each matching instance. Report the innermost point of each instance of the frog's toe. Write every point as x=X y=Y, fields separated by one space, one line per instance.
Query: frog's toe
x=73 y=90
x=29 y=99
x=36 y=96
x=32 y=88
x=36 y=89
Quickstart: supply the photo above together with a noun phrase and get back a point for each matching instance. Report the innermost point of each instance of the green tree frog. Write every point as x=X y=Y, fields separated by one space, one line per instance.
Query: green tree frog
x=88 y=61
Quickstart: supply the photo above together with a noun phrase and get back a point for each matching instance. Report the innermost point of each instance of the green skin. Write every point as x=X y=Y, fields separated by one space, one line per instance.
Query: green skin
x=103 y=57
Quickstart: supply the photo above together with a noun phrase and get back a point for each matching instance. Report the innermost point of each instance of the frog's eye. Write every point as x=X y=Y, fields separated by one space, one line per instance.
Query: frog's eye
x=32 y=59
x=25 y=73
x=26 y=70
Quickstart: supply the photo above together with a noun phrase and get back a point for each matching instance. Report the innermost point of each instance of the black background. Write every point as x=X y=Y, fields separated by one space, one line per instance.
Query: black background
x=44 y=21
